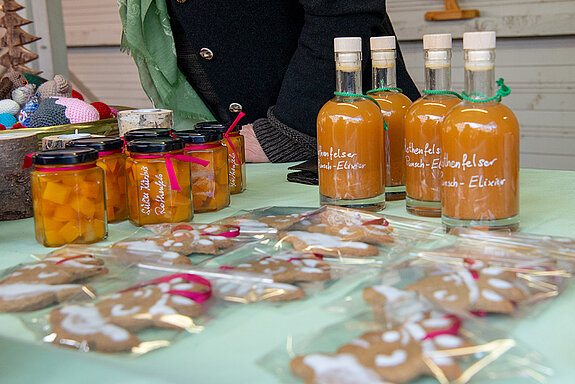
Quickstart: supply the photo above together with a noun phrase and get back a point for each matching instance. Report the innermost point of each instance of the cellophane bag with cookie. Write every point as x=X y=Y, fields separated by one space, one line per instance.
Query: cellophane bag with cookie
x=177 y=244
x=266 y=222
x=357 y=237
x=414 y=343
x=240 y=285
x=503 y=293
x=311 y=272
x=143 y=316
x=51 y=279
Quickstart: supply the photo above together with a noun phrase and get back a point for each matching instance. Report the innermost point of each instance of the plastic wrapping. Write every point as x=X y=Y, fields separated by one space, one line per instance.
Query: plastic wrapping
x=54 y=279
x=133 y=319
x=261 y=223
x=404 y=348
x=170 y=244
x=478 y=289
x=354 y=236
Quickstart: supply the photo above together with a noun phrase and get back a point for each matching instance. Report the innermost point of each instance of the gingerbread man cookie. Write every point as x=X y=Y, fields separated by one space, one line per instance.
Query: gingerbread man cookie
x=327 y=244
x=398 y=355
x=46 y=282
x=251 y=292
x=109 y=325
x=284 y=268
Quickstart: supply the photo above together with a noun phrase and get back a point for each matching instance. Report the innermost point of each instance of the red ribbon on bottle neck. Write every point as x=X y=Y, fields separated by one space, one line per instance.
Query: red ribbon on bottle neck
x=170 y=166
x=198 y=297
x=227 y=136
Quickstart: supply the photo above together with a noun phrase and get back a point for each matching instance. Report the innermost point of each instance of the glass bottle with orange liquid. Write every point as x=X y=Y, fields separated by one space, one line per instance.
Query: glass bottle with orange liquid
x=394 y=105
x=480 y=148
x=423 y=127
x=350 y=137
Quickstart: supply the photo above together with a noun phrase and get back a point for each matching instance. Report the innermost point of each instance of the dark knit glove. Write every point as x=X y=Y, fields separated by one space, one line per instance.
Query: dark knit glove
x=281 y=143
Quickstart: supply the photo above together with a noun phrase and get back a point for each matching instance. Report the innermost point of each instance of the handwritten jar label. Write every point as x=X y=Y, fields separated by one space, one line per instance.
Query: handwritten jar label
x=426 y=157
x=145 y=190
x=336 y=159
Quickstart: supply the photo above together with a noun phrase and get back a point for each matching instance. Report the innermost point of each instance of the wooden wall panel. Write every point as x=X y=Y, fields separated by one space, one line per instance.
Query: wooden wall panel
x=536 y=59
x=93 y=32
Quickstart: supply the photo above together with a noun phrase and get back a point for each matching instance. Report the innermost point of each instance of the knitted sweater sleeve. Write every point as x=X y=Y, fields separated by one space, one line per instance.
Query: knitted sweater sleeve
x=289 y=131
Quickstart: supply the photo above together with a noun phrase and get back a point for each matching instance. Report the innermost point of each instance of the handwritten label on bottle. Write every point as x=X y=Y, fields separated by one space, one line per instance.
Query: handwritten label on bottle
x=160 y=198
x=145 y=190
x=426 y=157
x=232 y=172
x=336 y=159
x=468 y=164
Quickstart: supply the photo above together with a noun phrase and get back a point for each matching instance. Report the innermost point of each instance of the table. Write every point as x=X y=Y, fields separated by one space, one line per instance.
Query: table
x=227 y=349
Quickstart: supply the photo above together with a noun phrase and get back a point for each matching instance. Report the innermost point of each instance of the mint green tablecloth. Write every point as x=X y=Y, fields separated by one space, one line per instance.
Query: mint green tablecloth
x=229 y=346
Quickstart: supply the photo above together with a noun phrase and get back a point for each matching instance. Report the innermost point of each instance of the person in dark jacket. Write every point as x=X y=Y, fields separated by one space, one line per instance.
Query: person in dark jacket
x=274 y=61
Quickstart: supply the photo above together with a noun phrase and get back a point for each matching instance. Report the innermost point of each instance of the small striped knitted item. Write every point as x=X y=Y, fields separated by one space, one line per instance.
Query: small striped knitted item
x=63 y=110
x=26 y=112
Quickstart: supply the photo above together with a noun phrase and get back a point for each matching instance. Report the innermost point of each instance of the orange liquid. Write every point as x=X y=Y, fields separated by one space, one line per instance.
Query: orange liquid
x=210 y=188
x=151 y=199
x=236 y=162
x=423 y=148
x=394 y=107
x=114 y=166
x=480 y=163
x=350 y=150
x=69 y=206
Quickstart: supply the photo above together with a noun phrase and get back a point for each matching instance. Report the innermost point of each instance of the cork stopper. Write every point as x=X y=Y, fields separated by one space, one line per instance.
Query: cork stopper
x=437 y=41
x=382 y=43
x=479 y=40
x=347 y=44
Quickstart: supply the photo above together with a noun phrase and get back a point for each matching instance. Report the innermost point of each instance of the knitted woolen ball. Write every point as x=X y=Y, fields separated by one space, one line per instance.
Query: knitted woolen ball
x=62 y=110
x=103 y=109
x=7 y=120
x=24 y=94
x=77 y=95
x=9 y=106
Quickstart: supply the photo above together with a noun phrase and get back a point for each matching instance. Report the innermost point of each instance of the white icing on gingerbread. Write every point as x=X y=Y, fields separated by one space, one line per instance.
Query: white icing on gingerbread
x=500 y=284
x=390 y=336
x=398 y=357
x=326 y=241
x=88 y=321
x=491 y=296
x=343 y=369
x=448 y=341
x=19 y=291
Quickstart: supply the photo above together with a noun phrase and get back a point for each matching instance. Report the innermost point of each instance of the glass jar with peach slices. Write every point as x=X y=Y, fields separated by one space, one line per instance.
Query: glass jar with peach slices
x=68 y=197
x=235 y=144
x=210 y=188
x=158 y=182
x=113 y=161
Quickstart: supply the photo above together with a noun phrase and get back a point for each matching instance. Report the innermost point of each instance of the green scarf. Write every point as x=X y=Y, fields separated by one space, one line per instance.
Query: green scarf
x=147 y=36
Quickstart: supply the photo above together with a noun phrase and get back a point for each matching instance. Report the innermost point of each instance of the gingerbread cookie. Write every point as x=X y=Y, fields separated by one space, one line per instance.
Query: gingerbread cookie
x=251 y=292
x=85 y=328
x=109 y=325
x=282 y=222
x=46 y=282
x=398 y=355
x=284 y=268
x=328 y=245
x=182 y=242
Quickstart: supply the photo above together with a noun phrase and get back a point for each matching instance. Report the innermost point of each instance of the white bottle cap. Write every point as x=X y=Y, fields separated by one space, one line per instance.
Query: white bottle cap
x=437 y=41
x=479 y=40
x=382 y=42
x=347 y=44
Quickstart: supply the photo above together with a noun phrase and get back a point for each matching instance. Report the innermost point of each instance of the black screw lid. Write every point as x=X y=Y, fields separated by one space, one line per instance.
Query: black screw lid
x=145 y=133
x=153 y=145
x=98 y=143
x=198 y=137
x=216 y=126
x=65 y=156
